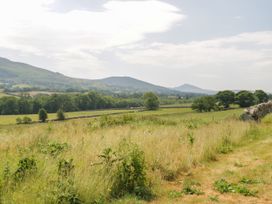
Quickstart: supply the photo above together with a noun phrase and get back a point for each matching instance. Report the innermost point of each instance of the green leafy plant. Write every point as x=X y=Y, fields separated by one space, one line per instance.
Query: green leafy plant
x=130 y=176
x=54 y=149
x=225 y=187
x=26 y=167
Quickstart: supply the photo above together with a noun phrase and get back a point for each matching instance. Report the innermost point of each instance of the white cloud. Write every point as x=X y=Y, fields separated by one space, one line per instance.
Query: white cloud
x=249 y=48
x=30 y=26
x=243 y=60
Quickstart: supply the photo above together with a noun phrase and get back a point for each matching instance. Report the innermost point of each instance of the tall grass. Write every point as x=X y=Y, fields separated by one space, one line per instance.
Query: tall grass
x=171 y=143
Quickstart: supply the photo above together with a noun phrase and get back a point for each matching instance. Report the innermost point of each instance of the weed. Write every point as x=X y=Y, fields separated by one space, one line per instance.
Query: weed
x=214 y=198
x=174 y=194
x=224 y=187
x=65 y=168
x=130 y=177
x=54 y=149
x=26 y=167
x=189 y=188
x=226 y=146
x=66 y=193
x=191 y=138
x=248 y=181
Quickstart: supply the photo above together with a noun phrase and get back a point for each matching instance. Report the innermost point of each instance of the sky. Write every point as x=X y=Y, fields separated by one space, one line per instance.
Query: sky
x=214 y=44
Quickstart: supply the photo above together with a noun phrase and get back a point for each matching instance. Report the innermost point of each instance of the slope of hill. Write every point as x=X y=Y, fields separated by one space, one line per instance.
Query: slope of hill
x=131 y=84
x=188 y=88
x=16 y=74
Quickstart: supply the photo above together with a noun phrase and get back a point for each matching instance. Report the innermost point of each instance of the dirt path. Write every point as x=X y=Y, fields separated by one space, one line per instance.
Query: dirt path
x=252 y=162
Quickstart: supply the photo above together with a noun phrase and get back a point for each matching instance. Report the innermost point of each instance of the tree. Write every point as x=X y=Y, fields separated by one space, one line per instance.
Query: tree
x=261 y=96
x=245 y=99
x=151 y=101
x=9 y=106
x=225 y=98
x=60 y=115
x=205 y=104
x=42 y=115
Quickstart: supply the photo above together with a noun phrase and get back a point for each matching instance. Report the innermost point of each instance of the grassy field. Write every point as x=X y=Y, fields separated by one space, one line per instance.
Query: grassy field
x=173 y=156
x=2 y=94
x=11 y=119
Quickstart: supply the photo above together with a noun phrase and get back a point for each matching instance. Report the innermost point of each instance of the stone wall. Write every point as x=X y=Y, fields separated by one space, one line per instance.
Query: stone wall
x=257 y=112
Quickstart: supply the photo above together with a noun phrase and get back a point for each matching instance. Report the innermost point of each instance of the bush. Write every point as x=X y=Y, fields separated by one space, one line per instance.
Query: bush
x=19 y=121
x=26 y=167
x=42 y=115
x=130 y=177
x=27 y=120
x=60 y=115
x=205 y=104
x=151 y=101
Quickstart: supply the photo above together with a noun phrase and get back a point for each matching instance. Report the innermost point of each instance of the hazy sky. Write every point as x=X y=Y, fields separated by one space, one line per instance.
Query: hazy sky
x=215 y=44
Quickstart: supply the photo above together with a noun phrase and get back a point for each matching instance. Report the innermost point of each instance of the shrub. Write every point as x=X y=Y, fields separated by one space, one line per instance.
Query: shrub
x=130 y=177
x=42 y=115
x=26 y=166
x=60 y=115
x=27 y=120
x=151 y=101
x=54 y=149
x=19 y=121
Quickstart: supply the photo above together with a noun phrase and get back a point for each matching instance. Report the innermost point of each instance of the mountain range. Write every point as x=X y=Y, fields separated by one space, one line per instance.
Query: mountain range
x=17 y=74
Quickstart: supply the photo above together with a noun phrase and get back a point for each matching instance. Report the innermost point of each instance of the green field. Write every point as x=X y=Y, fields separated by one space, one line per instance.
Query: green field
x=173 y=155
x=11 y=119
x=2 y=94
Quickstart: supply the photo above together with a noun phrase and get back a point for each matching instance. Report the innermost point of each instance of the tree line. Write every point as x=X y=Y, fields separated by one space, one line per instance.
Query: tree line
x=25 y=104
x=223 y=100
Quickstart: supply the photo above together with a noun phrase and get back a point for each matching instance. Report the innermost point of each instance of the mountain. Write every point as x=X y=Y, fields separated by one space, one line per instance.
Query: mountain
x=188 y=88
x=131 y=84
x=15 y=75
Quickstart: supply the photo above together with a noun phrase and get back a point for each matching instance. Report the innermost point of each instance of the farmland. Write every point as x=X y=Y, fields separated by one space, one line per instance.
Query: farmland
x=184 y=152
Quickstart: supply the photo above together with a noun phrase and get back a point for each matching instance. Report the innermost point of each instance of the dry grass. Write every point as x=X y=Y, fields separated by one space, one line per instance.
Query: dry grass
x=179 y=141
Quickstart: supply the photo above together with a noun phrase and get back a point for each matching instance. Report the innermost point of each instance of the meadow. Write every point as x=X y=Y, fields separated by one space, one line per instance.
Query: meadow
x=172 y=155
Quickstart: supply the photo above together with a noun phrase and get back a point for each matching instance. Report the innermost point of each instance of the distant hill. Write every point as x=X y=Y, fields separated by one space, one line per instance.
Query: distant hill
x=16 y=74
x=135 y=85
x=188 y=88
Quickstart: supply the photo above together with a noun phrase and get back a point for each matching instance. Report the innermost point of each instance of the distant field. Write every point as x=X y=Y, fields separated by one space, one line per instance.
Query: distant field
x=2 y=94
x=11 y=119
x=189 y=157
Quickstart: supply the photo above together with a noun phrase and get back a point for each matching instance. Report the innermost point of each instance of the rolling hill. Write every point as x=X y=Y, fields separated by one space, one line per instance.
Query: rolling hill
x=188 y=88
x=16 y=74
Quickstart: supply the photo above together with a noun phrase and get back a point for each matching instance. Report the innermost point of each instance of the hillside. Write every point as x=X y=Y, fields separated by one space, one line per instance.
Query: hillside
x=16 y=75
x=130 y=84
x=188 y=88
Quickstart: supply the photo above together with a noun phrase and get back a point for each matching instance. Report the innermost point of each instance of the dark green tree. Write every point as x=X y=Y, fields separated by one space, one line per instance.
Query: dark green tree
x=261 y=96
x=9 y=106
x=151 y=101
x=225 y=98
x=60 y=115
x=205 y=104
x=42 y=115
x=245 y=99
